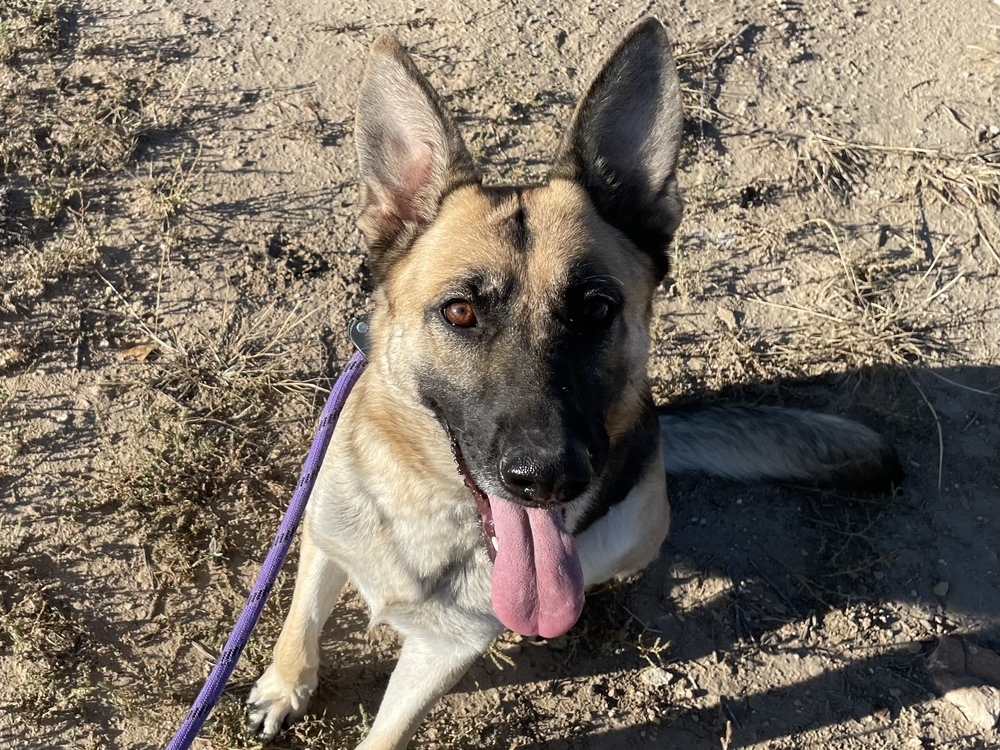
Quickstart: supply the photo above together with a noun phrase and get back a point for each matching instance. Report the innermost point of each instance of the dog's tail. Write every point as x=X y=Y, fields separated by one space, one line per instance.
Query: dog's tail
x=766 y=442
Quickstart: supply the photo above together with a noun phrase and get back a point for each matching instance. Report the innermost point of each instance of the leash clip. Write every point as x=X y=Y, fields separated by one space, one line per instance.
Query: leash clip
x=360 y=333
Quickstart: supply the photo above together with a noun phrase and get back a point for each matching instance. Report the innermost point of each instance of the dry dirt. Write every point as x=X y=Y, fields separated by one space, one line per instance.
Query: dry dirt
x=180 y=260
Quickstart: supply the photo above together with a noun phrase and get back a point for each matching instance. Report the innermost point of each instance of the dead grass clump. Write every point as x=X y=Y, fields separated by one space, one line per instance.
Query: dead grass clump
x=128 y=111
x=87 y=128
x=838 y=165
x=27 y=25
x=187 y=486
x=171 y=191
x=973 y=179
x=201 y=472
x=57 y=123
x=873 y=312
x=233 y=373
x=48 y=641
x=878 y=311
x=37 y=265
x=830 y=164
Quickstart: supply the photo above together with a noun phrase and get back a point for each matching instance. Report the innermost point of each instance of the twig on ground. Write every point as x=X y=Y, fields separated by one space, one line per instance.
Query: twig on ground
x=937 y=422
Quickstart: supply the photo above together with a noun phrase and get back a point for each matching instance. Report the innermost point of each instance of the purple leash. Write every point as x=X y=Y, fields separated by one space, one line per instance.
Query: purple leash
x=226 y=662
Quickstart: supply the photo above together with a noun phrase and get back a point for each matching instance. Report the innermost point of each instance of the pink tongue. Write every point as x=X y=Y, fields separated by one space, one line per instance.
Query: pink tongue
x=537 y=579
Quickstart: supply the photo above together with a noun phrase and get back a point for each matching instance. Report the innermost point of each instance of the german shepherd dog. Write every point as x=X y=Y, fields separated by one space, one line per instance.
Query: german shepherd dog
x=502 y=453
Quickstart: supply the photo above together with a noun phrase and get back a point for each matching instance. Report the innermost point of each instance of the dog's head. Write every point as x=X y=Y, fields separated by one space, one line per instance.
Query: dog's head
x=519 y=316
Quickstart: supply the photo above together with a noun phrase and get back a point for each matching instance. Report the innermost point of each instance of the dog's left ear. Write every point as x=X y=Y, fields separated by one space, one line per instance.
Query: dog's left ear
x=625 y=138
x=410 y=154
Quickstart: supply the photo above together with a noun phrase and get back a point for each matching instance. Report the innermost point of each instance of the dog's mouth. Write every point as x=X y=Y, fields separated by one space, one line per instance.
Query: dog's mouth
x=537 y=583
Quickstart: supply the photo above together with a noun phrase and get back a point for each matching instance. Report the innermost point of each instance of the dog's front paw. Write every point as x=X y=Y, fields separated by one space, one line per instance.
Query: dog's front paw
x=274 y=700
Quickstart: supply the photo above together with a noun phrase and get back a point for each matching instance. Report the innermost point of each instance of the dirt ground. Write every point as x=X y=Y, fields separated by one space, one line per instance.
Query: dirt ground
x=180 y=260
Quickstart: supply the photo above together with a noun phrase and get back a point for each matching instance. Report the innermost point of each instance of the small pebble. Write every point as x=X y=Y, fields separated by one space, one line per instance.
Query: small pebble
x=941 y=589
x=656 y=676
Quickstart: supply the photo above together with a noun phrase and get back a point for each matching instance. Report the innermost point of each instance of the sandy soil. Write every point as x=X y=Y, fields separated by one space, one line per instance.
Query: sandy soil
x=180 y=260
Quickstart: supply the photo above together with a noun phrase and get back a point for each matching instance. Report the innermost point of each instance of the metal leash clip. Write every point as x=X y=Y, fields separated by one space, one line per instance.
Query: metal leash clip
x=359 y=332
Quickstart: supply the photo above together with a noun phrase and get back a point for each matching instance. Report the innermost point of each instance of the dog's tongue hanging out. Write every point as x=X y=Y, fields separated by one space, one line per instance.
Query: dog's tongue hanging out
x=537 y=578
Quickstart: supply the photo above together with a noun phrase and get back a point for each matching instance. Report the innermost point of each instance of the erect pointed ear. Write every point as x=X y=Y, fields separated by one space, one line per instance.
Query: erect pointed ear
x=410 y=154
x=625 y=138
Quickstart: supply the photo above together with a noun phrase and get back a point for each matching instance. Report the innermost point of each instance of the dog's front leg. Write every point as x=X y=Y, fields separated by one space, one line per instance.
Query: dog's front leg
x=430 y=663
x=283 y=691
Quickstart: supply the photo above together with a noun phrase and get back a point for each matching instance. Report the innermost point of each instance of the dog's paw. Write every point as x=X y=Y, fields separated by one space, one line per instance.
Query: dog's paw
x=273 y=701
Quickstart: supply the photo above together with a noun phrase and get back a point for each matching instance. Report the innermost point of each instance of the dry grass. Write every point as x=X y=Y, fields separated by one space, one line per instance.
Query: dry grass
x=36 y=266
x=67 y=151
x=172 y=190
x=197 y=472
x=881 y=308
x=27 y=25
x=91 y=130
x=877 y=309
x=43 y=633
x=837 y=165
x=868 y=316
x=697 y=59
x=197 y=467
x=206 y=447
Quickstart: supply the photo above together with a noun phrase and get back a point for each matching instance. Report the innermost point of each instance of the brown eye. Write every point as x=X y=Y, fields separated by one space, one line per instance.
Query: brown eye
x=596 y=309
x=459 y=313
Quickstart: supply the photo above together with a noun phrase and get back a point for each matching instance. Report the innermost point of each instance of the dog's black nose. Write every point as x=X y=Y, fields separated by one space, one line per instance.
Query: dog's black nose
x=546 y=476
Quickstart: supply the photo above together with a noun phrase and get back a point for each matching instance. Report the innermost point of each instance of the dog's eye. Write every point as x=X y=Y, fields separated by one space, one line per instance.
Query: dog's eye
x=593 y=313
x=595 y=310
x=459 y=312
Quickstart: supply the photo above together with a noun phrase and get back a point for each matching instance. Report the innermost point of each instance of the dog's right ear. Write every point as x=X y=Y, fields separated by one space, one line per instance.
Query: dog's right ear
x=410 y=154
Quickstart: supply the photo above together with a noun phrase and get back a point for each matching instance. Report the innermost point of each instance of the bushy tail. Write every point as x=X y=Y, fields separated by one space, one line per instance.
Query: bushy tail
x=765 y=442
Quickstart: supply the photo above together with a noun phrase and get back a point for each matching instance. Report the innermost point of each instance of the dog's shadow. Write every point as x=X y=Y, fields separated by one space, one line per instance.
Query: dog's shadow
x=772 y=612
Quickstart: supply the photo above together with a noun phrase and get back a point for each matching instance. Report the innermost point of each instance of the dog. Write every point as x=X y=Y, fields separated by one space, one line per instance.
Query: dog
x=502 y=453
